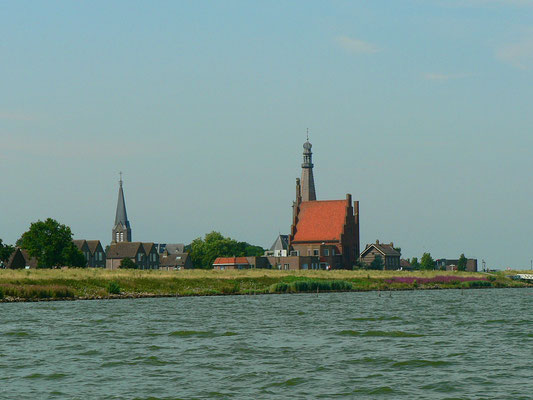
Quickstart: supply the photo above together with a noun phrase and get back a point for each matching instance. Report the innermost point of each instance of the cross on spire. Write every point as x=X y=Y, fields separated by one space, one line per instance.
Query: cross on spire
x=307 y=134
x=120 y=174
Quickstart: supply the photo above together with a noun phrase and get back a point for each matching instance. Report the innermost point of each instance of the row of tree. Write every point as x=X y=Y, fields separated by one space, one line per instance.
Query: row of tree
x=427 y=262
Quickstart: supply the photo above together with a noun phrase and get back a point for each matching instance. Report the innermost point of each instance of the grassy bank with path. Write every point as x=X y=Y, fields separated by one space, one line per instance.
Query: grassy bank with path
x=73 y=283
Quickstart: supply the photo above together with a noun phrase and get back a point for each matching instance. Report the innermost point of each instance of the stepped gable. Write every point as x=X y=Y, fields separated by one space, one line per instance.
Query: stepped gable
x=321 y=220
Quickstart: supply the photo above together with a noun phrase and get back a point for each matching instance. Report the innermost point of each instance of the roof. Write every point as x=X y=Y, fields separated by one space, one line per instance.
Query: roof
x=385 y=249
x=121 y=216
x=124 y=250
x=231 y=261
x=173 y=260
x=79 y=243
x=93 y=245
x=147 y=247
x=281 y=243
x=320 y=221
x=28 y=260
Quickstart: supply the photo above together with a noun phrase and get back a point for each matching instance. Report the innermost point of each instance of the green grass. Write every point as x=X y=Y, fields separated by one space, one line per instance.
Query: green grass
x=43 y=284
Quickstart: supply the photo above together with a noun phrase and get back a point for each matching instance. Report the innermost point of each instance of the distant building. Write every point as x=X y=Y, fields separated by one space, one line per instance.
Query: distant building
x=121 y=229
x=328 y=229
x=93 y=252
x=170 y=248
x=223 y=263
x=20 y=258
x=280 y=248
x=451 y=264
x=138 y=252
x=387 y=252
x=175 y=261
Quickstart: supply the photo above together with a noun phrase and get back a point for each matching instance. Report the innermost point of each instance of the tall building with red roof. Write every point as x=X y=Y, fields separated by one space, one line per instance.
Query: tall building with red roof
x=325 y=228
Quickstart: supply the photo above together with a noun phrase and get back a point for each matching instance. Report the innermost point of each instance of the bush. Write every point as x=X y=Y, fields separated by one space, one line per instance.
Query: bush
x=1 y=293
x=113 y=288
x=476 y=284
x=280 y=287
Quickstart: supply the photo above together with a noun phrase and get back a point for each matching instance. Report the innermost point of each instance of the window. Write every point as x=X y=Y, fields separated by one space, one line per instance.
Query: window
x=333 y=252
x=286 y=266
x=326 y=252
x=139 y=257
x=295 y=253
x=121 y=236
x=315 y=252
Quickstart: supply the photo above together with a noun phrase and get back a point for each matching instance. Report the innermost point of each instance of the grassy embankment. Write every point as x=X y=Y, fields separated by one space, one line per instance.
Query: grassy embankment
x=17 y=285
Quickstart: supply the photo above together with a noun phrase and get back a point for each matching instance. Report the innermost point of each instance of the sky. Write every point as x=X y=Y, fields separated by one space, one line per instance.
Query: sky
x=421 y=109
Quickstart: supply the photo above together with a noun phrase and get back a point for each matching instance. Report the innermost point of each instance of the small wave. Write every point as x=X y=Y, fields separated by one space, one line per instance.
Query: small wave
x=370 y=360
x=17 y=334
x=497 y=321
x=49 y=377
x=204 y=334
x=288 y=383
x=382 y=390
x=421 y=363
x=382 y=318
x=90 y=353
x=379 y=333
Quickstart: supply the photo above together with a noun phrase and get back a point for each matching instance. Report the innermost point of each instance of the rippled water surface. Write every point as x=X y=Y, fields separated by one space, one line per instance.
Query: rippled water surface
x=447 y=344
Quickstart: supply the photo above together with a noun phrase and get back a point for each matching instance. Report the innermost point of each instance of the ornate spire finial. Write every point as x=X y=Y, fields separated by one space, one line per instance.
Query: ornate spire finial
x=120 y=174
x=307 y=134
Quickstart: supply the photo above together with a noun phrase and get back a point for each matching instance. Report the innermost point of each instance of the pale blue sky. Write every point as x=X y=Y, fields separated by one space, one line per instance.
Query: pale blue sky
x=420 y=109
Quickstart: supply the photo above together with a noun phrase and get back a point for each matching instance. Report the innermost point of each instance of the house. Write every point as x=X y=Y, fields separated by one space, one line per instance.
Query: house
x=170 y=248
x=175 y=261
x=93 y=252
x=451 y=264
x=152 y=255
x=328 y=229
x=138 y=252
x=20 y=258
x=222 y=263
x=296 y=262
x=387 y=252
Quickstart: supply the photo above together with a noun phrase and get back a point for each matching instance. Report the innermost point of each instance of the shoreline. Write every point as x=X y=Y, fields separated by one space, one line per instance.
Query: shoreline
x=134 y=296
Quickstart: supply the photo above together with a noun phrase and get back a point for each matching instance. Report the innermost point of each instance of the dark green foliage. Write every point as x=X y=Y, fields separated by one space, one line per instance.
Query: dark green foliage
x=303 y=286
x=476 y=284
x=461 y=264
x=128 y=263
x=5 y=251
x=205 y=251
x=414 y=263
x=377 y=263
x=427 y=262
x=51 y=243
x=113 y=288
x=1 y=293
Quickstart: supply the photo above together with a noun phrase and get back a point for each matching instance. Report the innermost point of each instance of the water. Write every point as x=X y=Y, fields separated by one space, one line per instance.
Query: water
x=447 y=344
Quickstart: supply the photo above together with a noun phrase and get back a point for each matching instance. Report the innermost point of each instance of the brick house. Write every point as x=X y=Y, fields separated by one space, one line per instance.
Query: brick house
x=136 y=251
x=326 y=229
x=387 y=252
x=451 y=264
x=93 y=252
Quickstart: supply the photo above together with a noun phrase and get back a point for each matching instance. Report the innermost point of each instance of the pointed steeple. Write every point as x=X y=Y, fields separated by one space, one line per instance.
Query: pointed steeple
x=308 y=181
x=122 y=229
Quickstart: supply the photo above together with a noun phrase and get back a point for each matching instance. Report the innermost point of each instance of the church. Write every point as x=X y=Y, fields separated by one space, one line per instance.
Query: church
x=328 y=229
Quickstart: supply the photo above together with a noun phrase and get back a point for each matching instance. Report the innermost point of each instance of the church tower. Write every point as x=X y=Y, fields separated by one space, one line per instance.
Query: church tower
x=121 y=230
x=307 y=182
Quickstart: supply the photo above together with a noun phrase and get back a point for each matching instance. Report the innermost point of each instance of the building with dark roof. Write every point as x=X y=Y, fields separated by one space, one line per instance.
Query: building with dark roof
x=387 y=252
x=280 y=248
x=122 y=229
x=138 y=252
x=93 y=252
x=20 y=258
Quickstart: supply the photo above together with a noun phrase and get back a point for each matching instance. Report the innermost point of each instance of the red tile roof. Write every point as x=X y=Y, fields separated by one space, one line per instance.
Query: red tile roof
x=320 y=221
x=231 y=261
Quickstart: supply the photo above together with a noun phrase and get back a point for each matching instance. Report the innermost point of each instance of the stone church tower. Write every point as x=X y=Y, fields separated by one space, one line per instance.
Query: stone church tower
x=122 y=229
x=307 y=182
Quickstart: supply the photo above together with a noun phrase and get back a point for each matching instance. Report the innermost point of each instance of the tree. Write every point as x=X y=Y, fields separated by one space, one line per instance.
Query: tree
x=414 y=263
x=51 y=243
x=214 y=244
x=461 y=264
x=427 y=262
x=5 y=251
x=377 y=263
x=127 y=263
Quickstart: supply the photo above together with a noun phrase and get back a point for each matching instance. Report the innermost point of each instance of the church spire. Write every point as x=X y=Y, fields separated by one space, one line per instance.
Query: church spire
x=307 y=182
x=121 y=230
